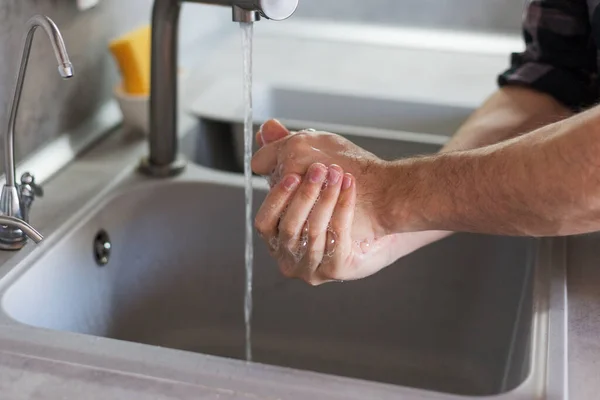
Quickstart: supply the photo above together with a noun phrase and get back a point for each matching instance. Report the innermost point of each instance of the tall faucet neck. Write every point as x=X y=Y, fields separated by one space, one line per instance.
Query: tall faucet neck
x=163 y=88
x=65 y=68
x=162 y=138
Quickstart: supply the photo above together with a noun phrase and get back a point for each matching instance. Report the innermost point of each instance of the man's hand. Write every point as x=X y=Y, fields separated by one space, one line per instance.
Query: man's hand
x=383 y=190
x=320 y=218
x=291 y=154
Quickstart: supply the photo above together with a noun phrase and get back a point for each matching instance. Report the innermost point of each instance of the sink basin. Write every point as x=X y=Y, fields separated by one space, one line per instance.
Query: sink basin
x=389 y=128
x=454 y=317
x=472 y=315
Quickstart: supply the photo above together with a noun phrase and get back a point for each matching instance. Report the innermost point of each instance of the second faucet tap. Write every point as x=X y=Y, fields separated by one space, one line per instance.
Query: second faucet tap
x=16 y=200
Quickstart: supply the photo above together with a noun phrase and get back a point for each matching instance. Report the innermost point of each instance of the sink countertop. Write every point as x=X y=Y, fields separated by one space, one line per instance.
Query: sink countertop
x=308 y=63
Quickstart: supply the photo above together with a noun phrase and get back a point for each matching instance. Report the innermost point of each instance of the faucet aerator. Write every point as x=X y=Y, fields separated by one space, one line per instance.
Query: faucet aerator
x=66 y=70
x=277 y=10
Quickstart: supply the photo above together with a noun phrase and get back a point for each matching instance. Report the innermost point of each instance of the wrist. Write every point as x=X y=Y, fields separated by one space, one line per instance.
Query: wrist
x=404 y=196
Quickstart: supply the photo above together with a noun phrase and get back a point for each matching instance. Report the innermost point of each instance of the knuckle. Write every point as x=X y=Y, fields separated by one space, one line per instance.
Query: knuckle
x=329 y=195
x=263 y=228
x=259 y=224
x=297 y=143
x=307 y=194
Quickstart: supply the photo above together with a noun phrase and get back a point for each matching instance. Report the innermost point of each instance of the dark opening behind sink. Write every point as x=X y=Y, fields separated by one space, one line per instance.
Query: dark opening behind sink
x=216 y=144
x=389 y=128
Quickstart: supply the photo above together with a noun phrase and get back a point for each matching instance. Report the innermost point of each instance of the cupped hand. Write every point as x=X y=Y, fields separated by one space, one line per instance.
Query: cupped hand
x=284 y=153
x=320 y=218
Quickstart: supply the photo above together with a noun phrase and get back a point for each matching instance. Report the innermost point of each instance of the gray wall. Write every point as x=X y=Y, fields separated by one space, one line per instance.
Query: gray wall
x=50 y=105
x=480 y=15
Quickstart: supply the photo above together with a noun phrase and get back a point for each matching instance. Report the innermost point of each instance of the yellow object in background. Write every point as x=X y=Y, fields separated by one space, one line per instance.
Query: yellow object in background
x=132 y=54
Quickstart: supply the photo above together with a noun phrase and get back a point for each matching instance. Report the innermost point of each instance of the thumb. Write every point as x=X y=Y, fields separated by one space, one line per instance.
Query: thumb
x=272 y=131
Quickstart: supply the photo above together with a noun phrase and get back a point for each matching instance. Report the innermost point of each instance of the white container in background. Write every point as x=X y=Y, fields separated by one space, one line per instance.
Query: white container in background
x=135 y=110
x=83 y=5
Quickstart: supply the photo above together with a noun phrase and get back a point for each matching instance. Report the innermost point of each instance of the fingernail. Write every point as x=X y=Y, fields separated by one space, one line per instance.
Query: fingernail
x=291 y=182
x=334 y=176
x=317 y=173
x=347 y=182
x=262 y=127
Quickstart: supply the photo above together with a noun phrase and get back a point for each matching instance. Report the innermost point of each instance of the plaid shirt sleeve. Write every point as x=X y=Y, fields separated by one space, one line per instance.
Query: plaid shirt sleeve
x=560 y=55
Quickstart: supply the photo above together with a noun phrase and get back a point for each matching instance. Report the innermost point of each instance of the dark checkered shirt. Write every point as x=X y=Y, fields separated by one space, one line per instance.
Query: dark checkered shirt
x=562 y=55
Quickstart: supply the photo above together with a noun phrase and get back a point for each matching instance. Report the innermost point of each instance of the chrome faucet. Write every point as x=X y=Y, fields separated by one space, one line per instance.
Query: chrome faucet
x=16 y=200
x=163 y=159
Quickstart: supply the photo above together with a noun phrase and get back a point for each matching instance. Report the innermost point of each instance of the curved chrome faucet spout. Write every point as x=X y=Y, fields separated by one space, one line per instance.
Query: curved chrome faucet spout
x=15 y=200
x=65 y=69
x=16 y=223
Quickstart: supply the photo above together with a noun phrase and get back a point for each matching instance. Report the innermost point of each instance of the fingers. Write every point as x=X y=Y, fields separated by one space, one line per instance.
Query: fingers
x=293 y=223
x=307 y=223
x=267 y=217
x=338 y=241
x=319 y=219
x=272 y=131
x=279 y=146
x=265 y=159
x=344 y=210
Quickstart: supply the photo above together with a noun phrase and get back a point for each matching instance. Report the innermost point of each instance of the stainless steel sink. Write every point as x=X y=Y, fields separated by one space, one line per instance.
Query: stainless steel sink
x=472 y=315
x=455 y=317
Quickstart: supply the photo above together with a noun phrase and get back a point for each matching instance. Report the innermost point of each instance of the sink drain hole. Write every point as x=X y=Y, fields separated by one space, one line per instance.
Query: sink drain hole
x=102 y=247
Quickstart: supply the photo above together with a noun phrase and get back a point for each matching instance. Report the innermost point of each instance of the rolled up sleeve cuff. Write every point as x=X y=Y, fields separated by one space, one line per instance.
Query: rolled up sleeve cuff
x=571 y=89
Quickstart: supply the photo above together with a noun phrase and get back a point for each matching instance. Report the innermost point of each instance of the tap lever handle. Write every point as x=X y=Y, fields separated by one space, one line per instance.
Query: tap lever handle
x=28 y=184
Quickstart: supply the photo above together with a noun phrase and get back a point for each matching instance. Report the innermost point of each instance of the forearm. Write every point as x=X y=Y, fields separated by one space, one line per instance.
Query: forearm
x=544 y=183
x=508 y=113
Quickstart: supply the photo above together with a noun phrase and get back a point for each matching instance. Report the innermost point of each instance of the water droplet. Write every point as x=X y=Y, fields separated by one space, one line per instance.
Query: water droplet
x=331 y=243
x=364 y=246
x=302 y=245
x=274 y=244
x=300 y=251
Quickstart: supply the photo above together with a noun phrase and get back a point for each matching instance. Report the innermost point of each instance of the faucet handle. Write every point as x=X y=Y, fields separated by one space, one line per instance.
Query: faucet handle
x=29 y=187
